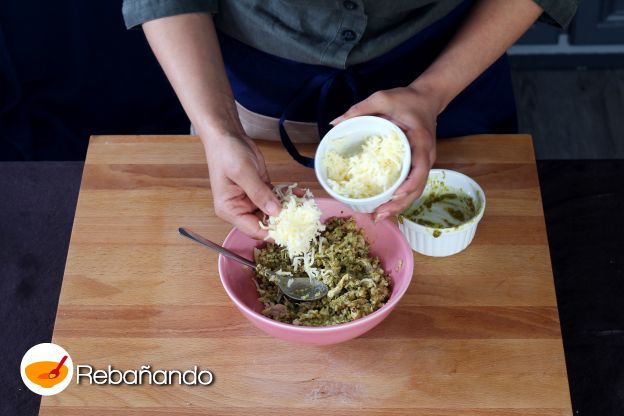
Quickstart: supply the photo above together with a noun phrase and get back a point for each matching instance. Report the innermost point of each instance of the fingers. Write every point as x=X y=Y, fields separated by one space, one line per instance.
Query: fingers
x=416 y=180
x=300 y=192
x=249 y=225
x=413 y=185
x=239 y=211
x=377 y=103
x=258 y=191
x=401 y=201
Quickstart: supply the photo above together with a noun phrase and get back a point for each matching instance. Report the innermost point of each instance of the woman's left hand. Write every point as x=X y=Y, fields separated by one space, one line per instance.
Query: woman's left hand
x=415 y=111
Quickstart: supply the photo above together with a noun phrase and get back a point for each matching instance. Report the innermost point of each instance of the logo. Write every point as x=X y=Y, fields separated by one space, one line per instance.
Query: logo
x=47 y=369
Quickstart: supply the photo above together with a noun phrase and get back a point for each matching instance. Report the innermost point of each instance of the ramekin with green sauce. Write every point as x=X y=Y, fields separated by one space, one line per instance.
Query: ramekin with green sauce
x=443 y=221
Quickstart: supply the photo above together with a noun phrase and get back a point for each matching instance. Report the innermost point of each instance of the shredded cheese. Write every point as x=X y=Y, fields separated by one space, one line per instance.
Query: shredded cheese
x=297 y=227
x=368 y=172
x=298 y=223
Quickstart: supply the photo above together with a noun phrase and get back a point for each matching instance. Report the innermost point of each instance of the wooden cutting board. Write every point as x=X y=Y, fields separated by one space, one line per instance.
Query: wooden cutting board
x=476 y=334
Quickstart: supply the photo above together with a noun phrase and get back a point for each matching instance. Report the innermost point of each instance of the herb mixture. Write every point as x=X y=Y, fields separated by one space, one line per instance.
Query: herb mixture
x=357 y=283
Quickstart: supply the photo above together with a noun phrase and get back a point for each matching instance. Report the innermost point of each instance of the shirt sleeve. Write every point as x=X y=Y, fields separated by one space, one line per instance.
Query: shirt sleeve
x=558 y=12
x=137 y=12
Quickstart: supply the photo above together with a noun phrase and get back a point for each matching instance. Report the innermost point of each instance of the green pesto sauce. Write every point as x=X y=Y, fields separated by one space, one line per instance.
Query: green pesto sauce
x=446 y=209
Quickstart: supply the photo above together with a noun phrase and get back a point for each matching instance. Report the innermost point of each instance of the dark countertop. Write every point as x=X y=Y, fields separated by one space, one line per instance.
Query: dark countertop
x=584 y=208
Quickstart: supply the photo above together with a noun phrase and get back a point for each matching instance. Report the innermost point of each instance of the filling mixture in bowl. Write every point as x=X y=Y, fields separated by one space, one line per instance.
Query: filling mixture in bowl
x=339 y=257
x=369 y=171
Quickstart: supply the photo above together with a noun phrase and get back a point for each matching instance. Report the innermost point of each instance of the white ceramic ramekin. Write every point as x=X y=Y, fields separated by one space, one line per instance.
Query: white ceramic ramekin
x=450 y=240
x=352 y=133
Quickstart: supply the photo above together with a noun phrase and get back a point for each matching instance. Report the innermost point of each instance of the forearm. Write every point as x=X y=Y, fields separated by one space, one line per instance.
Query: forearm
x=186 y=47
x=490 y=29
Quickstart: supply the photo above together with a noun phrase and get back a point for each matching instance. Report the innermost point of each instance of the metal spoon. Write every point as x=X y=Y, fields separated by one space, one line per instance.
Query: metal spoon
x=301 y=288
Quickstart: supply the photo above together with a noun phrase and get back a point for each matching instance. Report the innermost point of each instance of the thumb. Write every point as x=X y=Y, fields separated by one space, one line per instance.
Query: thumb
x=259 y=192
x=360 y=109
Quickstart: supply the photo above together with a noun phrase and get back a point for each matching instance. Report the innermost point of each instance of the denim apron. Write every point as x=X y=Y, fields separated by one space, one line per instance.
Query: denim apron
x=289 y=90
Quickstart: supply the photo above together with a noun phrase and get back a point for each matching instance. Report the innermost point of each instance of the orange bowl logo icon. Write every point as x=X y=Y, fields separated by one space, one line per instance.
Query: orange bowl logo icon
x=47 y=369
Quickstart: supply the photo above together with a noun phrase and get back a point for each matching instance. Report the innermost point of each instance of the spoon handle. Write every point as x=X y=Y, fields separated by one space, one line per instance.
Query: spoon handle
x=216 y=247
x=58 y=367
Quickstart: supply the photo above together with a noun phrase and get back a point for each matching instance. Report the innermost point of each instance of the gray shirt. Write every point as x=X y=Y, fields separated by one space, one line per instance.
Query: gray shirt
x=335 y=33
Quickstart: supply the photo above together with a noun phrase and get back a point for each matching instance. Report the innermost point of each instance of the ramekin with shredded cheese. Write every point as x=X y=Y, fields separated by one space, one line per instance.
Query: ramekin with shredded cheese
x=371 y=170
x=362 y=161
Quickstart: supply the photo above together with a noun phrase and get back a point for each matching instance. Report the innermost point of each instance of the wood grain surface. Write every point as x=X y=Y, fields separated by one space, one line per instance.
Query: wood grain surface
x=476 y=334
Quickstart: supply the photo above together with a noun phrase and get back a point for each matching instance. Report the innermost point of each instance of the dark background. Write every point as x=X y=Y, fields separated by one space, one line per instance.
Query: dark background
x=69 y=69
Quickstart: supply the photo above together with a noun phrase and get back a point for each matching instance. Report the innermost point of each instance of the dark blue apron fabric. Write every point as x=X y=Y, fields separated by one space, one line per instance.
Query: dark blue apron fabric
x=289 y=90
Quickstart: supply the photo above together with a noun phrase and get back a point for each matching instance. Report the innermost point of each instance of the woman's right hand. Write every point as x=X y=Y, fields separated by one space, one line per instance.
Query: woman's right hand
x=187 y=48
x=241 y=189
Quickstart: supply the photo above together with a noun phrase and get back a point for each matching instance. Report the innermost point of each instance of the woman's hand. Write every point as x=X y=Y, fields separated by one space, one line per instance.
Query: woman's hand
x=240 y=183
x=414 y=110
x=490 y=29
x=187 y=48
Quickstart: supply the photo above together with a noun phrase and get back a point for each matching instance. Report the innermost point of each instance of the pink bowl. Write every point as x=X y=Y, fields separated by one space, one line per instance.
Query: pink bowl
x=386 y=242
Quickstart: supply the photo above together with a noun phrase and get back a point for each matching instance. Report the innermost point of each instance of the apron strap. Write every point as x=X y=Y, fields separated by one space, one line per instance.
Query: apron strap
x=322 y=82
x=322 y=115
